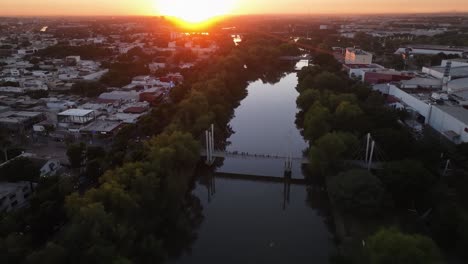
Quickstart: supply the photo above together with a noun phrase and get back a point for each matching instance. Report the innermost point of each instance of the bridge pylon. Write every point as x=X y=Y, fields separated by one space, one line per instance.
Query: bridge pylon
x=209 y=145
x=288 y=166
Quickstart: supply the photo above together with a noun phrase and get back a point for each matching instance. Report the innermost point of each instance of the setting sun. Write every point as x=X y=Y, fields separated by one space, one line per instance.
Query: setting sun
x=194 y=11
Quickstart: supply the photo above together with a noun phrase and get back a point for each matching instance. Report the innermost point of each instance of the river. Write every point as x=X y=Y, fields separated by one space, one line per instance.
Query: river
x=251 y=221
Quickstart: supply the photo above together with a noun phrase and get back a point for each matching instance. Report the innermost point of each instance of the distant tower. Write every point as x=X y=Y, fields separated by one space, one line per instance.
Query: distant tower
x=447 y=77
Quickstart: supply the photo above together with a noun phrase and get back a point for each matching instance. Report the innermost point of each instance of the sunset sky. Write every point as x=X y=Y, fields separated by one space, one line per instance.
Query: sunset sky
x=150 y=7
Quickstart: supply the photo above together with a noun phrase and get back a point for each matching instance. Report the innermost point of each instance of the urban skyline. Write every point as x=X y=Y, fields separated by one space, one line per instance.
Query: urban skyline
x=238 y=7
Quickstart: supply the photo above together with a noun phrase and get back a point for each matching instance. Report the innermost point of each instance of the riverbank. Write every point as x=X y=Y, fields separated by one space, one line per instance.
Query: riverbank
x=266 y=217
x=367 y=202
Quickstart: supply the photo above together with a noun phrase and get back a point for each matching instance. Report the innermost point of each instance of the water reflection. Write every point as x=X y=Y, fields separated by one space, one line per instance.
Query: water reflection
x=252 y=213
x=255 y=222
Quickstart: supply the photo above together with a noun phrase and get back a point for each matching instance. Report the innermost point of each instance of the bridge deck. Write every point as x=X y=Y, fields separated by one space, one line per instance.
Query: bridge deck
x=249 y=156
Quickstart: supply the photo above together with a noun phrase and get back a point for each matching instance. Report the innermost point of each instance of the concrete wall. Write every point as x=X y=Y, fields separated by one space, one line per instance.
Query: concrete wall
x=442 y=122
x=436 y=117
x=419 y=106
x=454 y=63
x=433 y=73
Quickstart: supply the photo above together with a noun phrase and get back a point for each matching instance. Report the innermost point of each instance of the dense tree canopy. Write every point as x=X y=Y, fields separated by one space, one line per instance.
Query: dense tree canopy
x=406 y=180
x=20 y=169
x=389 y=246
x=356 y=191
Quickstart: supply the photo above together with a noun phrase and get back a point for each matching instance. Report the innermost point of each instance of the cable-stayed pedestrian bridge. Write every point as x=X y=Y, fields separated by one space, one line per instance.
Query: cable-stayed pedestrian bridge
x=251 y=156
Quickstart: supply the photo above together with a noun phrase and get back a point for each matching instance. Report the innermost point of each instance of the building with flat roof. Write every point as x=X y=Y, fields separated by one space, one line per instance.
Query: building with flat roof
x=357 y=56
x=432 y=50
x=377 y=76
x=76 y=116
x=357 y=70
x=14 y=195
x=102 y=127
x=455 y=62
x=453 y=72
x=437 y=109
x=20 y=120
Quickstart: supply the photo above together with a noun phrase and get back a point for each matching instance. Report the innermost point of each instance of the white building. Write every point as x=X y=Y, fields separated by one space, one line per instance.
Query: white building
x=358 y=70
x=445 y=116
x=455 y=62
x=440 y=72
x=433 y=50
x=76 y=116
x=14 y=195
x=357 y=56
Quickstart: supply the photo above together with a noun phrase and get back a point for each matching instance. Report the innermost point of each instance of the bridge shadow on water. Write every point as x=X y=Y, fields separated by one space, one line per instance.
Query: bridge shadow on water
x=260 y=178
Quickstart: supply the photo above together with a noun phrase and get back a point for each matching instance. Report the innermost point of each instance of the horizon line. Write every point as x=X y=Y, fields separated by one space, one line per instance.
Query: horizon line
x=245 y=14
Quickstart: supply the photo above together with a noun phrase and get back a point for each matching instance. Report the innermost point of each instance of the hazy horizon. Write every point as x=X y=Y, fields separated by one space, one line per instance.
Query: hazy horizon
x=239 y=7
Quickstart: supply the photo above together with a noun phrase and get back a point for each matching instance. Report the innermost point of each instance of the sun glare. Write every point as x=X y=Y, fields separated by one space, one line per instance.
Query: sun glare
x=194 y=11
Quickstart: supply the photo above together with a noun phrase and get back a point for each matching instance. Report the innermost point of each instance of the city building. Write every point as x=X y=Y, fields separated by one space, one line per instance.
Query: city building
x=20 y=121
x=446 y=113
x=14 y=195
x=357 y=56
x=377 y=76
x=358 y=70
x=101 y=128
x=432 y=50
x=76 y=117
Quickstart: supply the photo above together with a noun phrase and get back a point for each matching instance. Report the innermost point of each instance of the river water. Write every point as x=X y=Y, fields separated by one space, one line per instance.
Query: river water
x=254 y=221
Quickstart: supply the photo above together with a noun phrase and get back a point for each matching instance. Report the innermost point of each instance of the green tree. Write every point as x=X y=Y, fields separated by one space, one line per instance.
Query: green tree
x=356 y=191
x=20 y=169
x=289 y=49
x=327 y=62
x=51 y=254
x=328 y=151
x=389 y=246
x=347 y=116
x=406 y=180
x=329 y=81
x=76 y=154
x=316 y=122
x=307 y=98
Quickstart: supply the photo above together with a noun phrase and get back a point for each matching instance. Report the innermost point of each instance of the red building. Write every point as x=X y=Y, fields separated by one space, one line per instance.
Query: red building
x=386 y=76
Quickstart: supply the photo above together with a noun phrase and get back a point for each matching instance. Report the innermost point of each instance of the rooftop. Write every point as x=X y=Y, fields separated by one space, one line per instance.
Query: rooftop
x=454 y=71
x=457 y=112
x=19 y=114
x=357 y=51
x=76 y=112
x=458 y=84
x=100 y=126
x=363 y=66
x=438 y=47
x=422 y=82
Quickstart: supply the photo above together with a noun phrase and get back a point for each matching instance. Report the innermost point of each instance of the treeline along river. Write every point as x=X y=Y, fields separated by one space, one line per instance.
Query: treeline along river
x=247 y=220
